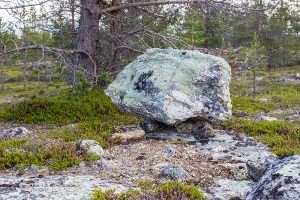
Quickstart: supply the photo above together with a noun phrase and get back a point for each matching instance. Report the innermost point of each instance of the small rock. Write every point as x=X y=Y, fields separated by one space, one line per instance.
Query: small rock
x=33 y=169
x=281 y=181
x=19 y=132
x=140 y=157
x=91 y=146
x=14 y=150
x=150 y=126
x=170 y=151
x=270 y=119
x=102 y=163
x=250 y=142
x=297 y=76
x=175 y=172
x=200 y=128
x=127 y=135
x=259 y=78
x=230 y=189
x=72 y=126
x=263 y=100
x=84 y=164
x=292 y=118
x=257 y=168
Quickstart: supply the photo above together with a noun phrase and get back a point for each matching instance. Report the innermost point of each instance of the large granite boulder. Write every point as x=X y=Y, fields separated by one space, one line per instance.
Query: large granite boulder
x=172 y=86
x=280 y=182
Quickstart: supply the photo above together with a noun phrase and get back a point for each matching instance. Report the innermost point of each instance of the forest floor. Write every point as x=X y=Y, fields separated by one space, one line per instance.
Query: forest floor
x=47 y=157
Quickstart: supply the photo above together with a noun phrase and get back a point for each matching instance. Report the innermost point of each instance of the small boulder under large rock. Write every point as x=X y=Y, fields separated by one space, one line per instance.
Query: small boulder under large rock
x=281 y=181
x=172 y=86
x=200 y=128
x=128 y=134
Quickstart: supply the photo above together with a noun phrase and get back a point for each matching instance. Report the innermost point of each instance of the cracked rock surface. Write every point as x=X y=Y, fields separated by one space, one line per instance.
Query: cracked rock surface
x=281 y=181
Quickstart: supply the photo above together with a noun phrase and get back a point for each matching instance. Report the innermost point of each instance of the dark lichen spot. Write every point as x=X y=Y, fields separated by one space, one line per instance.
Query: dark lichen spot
x=275 y=176
x=201 y=127
x=141 y=84
x=215 y=68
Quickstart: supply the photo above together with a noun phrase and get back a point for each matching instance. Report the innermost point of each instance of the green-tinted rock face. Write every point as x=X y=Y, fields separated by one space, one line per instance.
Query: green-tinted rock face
x=172 y=86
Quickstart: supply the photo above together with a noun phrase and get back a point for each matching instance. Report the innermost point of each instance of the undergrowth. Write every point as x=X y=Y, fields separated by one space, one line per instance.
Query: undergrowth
x=91 y=113
x=62 y=109
x=41 y=152
x=151 y=190
x=281 y=136
x=279 y=95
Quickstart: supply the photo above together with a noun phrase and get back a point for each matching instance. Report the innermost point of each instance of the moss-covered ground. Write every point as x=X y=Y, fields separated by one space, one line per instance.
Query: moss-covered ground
x=93 y=117
x=282 y=136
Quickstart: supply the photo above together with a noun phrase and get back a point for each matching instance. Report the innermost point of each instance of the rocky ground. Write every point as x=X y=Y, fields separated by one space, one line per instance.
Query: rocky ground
x=224 y=167
x=229 y=166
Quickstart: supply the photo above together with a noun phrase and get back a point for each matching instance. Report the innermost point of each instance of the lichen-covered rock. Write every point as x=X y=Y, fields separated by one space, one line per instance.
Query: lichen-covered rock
x=18 y=132
x=128 y=134
x=280 y=182
x=175 y=172
x=257 y=167
x=172 y=86
x=91 y=146
x=54 y=187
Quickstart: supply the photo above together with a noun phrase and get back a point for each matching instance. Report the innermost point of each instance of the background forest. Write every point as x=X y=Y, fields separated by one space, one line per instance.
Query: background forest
x=227 y=29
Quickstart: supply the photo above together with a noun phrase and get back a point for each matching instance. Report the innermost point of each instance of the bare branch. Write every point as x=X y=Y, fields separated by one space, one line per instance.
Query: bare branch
x=22 y=6
x=166 y=2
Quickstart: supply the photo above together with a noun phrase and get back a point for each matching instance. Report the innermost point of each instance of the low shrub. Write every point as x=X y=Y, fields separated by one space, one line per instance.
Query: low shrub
x=151 y=190
x=65 y=108
x=281 y=136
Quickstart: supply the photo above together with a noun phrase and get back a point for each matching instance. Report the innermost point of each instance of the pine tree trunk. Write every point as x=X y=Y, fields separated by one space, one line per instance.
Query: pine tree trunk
x=88 y=34
x=115 y=30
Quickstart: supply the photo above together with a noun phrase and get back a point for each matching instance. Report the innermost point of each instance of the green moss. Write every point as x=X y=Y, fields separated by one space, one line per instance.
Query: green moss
x=97 y=117
x=41 y=152
x=280 y=95
x=281 y=136
x=13 y=73
x=62 y=109
x=251 y=105
x=152 y=190
x=99 y=130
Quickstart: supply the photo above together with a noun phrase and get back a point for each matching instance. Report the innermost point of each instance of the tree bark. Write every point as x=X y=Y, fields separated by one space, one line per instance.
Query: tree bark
x=88 y=37
x=72 y=10
x=259 y=26
x=115 y=30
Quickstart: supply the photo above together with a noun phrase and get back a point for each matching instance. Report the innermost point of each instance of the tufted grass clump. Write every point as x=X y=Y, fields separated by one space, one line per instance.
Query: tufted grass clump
x=281 y=136
x=153 y=190
x=62 y=109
